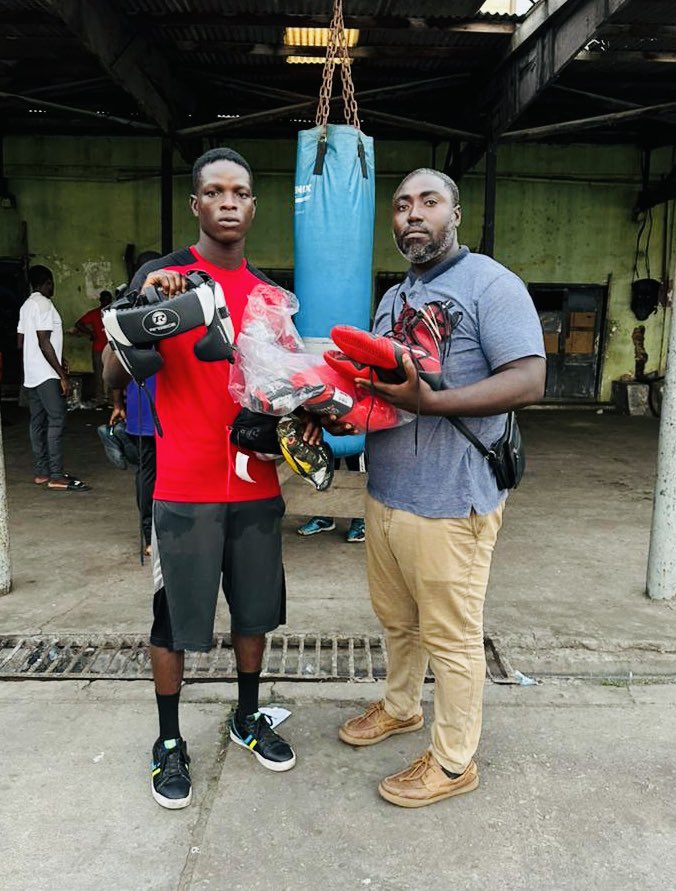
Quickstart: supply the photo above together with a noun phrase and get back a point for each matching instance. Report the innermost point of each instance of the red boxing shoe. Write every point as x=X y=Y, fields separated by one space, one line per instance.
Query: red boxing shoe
x=424 y=335
x=370 y=414
x=328 y=392
x=354 y=370
x=340 y=397
x=385 y=354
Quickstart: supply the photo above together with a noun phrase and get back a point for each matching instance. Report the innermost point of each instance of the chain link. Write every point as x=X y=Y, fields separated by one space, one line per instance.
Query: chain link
x=336 y=51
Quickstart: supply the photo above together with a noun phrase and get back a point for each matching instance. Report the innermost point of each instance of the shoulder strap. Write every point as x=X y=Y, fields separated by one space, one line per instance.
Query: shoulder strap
x=461 y=427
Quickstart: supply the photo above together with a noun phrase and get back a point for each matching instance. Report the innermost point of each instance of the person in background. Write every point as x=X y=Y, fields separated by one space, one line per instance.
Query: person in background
x=40 y=341
x=91 y=326
x=357 y=529
x=136 y=414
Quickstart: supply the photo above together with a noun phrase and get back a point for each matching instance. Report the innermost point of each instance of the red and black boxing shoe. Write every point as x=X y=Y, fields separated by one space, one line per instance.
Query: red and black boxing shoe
x=385 y=354
x=354 y=370
x=424 y=335
x=281 y=396
x=340 y=398
x=328 y=392
x=370 y=414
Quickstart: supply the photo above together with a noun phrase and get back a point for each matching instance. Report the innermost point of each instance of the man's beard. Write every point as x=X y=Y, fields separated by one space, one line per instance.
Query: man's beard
x=425 y=253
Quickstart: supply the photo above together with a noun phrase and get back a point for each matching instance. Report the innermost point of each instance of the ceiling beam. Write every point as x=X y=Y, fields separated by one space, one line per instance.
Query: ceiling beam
x=226 y=48
x=593 y=123
x=611 y=56
x=131 y=61
x=307 y=102
x=35 y=19
x=637 y=29
x=608 y=100
x=548 y=40
x=446 y=23
x=392 y=90
x=73 y=86
x=80 y=112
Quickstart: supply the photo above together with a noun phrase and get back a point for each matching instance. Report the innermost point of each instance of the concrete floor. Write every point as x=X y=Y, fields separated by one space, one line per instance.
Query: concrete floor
x=567 y=586
x=577 y=775
x=572 y=796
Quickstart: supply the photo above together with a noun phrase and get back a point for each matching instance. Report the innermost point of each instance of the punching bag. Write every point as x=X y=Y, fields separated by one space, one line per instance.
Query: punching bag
x=334 y=208
x=334 y=215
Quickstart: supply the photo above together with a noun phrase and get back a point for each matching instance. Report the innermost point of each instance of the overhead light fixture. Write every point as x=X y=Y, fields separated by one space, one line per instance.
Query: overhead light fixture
x=317 y=36
x=314 y=60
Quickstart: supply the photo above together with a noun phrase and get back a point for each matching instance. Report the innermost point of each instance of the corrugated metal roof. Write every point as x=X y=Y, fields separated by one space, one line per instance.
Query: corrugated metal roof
x=400 y=41
x=308 y=7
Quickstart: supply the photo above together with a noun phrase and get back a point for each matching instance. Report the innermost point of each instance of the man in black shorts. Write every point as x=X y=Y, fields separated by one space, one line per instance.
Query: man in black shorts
x=210 y=525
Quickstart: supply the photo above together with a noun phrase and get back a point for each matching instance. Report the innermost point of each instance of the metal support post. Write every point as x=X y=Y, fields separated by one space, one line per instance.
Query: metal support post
x=661 y=582
x=5 y=567
x=488 y=239
x=167 y=196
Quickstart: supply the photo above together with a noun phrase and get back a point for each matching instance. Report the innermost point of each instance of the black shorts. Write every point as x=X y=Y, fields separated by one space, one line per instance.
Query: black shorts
x=195 y=546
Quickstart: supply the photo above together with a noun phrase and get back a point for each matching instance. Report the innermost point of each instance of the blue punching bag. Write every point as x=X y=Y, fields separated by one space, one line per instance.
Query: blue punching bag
x=333 y=230
x=334 y=216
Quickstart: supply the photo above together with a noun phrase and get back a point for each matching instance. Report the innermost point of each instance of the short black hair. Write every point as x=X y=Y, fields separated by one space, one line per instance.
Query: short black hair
x=449 y=184
x=38 y=275
x=105 y=295
x=218 y=154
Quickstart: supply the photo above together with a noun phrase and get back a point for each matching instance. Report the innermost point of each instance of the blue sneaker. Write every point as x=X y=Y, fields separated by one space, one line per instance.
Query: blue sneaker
x=315 y=525
x=356 y=532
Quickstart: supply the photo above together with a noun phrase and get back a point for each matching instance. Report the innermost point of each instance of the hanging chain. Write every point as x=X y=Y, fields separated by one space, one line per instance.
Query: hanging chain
x=324 y=107
x=336 y=51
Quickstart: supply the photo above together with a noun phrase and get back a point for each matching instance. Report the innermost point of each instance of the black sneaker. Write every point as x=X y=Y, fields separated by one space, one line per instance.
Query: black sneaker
x=169 y=773
x=255 y=733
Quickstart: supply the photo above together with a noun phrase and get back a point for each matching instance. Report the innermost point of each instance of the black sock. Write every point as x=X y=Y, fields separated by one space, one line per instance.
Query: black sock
x=167 y=707
x=247 y=687
x=449 y=773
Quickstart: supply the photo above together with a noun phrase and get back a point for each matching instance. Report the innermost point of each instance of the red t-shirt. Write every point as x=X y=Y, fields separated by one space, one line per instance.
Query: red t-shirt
x=93 y=318
x=195 y=458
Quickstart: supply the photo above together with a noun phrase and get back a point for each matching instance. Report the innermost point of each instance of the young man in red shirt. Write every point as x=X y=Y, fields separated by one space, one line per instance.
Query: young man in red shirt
x=208 y=523
x=90 y=325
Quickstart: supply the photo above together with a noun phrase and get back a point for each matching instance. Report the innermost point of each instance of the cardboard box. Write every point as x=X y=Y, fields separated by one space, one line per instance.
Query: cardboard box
x=580 y=342
x=551 y=342
x=583 y=320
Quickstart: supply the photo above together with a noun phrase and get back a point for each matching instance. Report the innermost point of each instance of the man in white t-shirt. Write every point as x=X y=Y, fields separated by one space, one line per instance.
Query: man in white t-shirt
x=40 y=340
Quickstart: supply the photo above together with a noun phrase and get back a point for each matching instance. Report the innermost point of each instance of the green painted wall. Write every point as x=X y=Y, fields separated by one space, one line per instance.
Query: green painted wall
x=564 y=214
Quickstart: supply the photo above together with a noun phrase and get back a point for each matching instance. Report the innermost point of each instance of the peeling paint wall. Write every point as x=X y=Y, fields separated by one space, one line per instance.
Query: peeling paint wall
x=564 y=214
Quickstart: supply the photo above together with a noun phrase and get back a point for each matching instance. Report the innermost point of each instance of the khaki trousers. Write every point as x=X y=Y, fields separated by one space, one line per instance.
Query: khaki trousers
x=427 y=580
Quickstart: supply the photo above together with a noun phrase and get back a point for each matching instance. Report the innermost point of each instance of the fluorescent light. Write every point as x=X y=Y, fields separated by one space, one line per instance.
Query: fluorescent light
x=313 y=60
x=316 y=36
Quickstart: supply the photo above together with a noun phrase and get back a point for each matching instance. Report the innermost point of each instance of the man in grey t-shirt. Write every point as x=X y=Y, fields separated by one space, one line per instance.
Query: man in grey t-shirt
x=433 y=505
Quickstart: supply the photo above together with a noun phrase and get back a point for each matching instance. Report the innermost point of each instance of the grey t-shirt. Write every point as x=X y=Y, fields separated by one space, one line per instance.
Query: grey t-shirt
x=448 y=476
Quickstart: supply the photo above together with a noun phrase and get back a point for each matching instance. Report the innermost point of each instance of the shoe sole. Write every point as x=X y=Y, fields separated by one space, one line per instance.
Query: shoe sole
x=277 y=766
x=413 y=802
x=317 y=531
x=172 y=804
x=355 y=540
x=355 y=741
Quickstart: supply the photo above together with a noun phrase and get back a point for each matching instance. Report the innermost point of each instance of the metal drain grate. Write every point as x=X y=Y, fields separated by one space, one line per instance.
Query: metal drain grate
x=296 y=657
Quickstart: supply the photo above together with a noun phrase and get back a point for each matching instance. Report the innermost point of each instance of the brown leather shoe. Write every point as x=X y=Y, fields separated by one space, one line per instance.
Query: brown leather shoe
x=376 y=725
x=424 y=782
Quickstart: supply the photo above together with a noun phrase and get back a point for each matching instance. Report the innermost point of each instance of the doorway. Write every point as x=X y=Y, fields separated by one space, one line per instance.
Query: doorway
x=13 y=292
x=572 y=319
